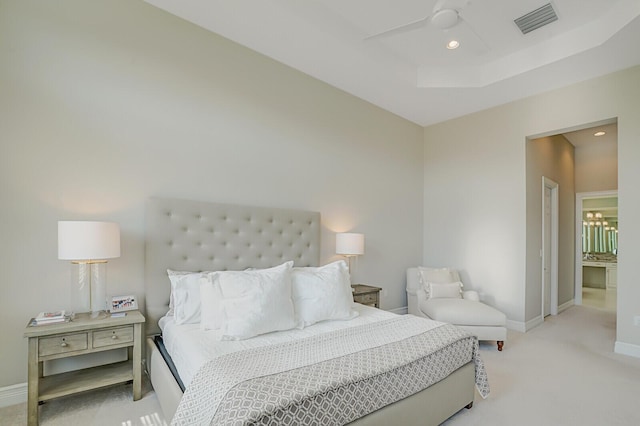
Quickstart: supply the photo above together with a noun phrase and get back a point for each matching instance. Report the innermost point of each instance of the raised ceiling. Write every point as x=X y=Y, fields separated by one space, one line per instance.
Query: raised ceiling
x=410 y=72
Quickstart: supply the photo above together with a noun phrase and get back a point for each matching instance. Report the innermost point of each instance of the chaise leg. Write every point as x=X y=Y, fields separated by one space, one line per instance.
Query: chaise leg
x=500 y=343
x=469 y=405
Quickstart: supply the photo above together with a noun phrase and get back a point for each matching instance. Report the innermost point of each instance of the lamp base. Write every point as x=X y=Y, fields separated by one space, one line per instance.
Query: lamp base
x=84 y=316
x=88 y=288
x=98 y=315
x=349 y=260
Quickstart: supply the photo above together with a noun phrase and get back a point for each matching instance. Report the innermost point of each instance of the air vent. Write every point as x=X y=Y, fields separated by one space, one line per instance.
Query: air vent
x=536 y=19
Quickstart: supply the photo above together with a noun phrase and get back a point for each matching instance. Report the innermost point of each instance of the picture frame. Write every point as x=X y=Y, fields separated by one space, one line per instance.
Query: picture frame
x=123 y=303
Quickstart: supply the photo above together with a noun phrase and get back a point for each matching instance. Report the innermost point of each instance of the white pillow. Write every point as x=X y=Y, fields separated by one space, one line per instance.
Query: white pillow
x=172 y=279
x=255 y=302
x=322 y=293
x=436 y=275
x=211 y=314
x=184 y=302
x=447 y=290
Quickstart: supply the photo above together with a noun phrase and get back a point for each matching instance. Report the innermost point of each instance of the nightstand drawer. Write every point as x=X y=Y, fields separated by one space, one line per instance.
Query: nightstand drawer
x=62 y=344
x=113 y=336
x=366 y=298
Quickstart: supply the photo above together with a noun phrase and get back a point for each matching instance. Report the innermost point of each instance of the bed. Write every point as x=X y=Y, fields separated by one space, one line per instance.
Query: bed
x=196 y=236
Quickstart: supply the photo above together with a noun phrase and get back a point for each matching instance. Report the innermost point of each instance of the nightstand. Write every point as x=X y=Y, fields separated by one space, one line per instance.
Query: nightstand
x=366 y=294
x=82 y=336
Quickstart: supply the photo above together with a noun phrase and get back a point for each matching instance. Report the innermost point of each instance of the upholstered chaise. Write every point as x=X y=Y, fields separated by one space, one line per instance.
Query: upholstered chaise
x=463 y=309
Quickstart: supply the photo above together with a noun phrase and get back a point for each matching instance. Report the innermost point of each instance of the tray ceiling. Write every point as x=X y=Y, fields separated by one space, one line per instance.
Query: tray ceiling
x=410 y=72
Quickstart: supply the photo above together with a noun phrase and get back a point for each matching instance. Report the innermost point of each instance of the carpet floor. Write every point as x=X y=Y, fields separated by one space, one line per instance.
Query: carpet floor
x=111 y=406
x=563 y=372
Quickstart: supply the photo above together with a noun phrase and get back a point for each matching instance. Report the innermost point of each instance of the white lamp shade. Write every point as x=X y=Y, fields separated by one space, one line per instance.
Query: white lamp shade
x=349 y=243
x=80 y=240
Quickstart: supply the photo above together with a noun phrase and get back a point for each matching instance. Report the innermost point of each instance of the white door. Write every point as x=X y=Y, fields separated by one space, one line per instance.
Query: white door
x=547 y=251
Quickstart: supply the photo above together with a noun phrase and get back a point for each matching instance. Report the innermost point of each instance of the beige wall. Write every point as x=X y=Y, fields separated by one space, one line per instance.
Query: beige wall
x=553 y=158
x=104 y=104
x=475 y=191
x=597 y=167
x=474 y=206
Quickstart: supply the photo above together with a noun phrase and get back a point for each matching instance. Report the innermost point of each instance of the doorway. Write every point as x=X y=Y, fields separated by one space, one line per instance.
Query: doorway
x=600 y=263
x=577 y=160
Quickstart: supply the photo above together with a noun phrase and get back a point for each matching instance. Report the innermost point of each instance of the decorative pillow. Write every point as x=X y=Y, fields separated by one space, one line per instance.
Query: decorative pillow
x=184 y=302
x=448 y=290
x=212 y=314
x=255 y=302
x=173 y=277
x=322 y=293
x=438 y=276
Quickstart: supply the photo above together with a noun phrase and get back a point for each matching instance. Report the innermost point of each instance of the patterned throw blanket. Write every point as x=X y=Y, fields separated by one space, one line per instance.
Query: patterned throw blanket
x=330 y=379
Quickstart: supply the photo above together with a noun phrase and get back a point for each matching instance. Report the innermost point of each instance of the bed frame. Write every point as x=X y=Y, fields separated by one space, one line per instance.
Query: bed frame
x=199 y=236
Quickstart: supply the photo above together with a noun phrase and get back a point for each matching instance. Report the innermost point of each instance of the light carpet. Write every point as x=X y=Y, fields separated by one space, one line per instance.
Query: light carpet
x=563 y=372
x=111 y=406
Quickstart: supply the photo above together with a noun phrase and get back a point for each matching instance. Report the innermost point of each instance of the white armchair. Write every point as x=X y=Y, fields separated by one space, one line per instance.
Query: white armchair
x=464 y=310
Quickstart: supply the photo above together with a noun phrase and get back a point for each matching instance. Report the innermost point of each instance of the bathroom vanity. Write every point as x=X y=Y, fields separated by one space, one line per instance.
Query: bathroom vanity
x=600 y=273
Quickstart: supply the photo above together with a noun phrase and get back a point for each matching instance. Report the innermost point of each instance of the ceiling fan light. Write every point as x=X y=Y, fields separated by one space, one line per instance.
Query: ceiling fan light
x=453 y=44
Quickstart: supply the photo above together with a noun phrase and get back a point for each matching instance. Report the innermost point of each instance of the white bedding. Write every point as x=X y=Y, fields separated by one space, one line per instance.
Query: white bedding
x=190 y=347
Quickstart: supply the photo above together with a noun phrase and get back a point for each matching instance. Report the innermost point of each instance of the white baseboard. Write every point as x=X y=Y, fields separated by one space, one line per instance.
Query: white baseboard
x=516 y=325
x=566 y=305
x=523 y=327
x=12 y=395
x=532 y=323
x=400 y=311
x=627 y=349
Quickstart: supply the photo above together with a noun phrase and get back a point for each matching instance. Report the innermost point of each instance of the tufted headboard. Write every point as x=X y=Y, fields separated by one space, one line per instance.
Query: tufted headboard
x=199 y=236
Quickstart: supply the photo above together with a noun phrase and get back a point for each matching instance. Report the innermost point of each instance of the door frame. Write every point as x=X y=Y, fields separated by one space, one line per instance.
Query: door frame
x=554 y=217
x=580 y=196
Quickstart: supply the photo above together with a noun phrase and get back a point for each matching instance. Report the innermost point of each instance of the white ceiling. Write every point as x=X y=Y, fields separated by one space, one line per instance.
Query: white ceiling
x=411 y=73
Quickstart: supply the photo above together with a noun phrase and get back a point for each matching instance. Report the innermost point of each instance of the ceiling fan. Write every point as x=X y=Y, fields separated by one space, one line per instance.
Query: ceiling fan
x=446 y=14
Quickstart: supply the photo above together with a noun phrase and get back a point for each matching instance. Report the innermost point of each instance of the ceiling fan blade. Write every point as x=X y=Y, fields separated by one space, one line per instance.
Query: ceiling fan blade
x=473 y=31
x=401 y=28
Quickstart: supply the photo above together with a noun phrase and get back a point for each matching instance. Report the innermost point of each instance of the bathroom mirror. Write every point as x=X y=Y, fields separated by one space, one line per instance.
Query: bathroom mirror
x=600 y=226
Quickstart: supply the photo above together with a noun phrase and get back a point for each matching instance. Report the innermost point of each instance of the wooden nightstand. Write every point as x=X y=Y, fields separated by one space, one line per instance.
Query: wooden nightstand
x=82 y=336
x=366 y=294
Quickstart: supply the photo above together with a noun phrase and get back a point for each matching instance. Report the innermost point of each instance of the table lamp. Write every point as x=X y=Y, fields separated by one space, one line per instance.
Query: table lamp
x=88 y=245
x=349 y=244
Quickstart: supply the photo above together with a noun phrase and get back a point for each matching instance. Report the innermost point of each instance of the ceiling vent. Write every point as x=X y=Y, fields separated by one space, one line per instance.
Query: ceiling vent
x=536 y=19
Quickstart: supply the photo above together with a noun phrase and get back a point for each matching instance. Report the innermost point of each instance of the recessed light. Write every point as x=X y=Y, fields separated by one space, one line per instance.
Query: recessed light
x=600 y=133
x=453 y=44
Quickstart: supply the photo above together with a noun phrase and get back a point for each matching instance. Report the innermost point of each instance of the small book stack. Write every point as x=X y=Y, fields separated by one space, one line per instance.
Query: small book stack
x=45 y=318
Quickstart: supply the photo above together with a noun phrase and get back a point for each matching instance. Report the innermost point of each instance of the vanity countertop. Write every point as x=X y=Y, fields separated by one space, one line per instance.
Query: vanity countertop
x=599 y=263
